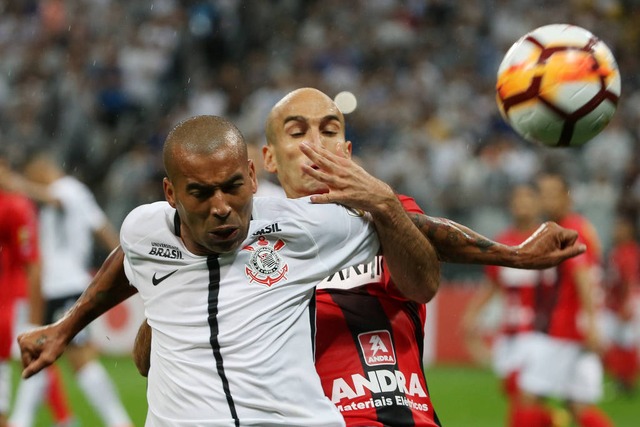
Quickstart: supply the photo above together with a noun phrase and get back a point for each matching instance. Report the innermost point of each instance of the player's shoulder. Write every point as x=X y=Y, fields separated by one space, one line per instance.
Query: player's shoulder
x=301 y=208
x=149 y=216
x=17 y=205
x=16 y=201
x=70 y=190
x=67 y=182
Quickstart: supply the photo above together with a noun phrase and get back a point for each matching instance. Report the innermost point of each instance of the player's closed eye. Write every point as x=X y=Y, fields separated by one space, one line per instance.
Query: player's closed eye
x=232 y=188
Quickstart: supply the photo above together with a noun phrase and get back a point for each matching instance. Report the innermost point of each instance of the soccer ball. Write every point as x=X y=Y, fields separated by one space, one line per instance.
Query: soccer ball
x=558 y=85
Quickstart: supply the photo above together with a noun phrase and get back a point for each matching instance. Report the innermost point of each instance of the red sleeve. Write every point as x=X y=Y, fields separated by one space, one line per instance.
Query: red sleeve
x=629 y=264
x=587 y=235
x=25 y=230
x=409 y=204
x=491 y=271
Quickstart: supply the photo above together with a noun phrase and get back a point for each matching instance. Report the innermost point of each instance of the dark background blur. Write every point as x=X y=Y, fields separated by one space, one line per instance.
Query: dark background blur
x=100 y=82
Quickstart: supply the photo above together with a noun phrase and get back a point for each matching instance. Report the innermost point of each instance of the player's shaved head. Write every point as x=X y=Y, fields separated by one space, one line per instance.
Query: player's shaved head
x=298 y=102
x=200 y=135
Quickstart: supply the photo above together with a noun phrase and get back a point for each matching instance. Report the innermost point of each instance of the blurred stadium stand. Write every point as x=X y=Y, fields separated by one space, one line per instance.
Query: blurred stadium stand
x=100 y=82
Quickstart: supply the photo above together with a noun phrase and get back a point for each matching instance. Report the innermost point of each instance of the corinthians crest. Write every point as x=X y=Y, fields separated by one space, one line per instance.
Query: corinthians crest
x=265 y=265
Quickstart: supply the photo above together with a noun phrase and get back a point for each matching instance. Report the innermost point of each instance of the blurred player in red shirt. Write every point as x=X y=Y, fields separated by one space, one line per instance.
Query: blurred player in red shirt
x=20 y=294
x=622 y=287
x=565 y=361
x=518 y=291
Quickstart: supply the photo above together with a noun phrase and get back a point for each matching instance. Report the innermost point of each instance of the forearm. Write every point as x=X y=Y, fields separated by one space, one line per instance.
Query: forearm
x=456 y=243
x=479 y=301
x=36 y=303
x=107 y=236
x=547 y=247
x=410 y=257
x=108 y=288
x=35 y=191
x=585 y=288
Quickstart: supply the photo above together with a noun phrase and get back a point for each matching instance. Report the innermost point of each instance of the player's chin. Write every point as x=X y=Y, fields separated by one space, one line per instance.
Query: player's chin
x=225 y=245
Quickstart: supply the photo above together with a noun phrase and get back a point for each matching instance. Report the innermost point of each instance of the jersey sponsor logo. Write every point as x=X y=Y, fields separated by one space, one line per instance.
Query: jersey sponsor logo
x=355 y=276
x=382 y=402
x=265 y=265
x=165 y=250
x=157 y=280
x=272 y=228
x=378 y=381
x=377 y=348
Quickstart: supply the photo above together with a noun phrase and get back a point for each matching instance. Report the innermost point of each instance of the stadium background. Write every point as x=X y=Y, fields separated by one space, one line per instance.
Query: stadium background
x=99 y=82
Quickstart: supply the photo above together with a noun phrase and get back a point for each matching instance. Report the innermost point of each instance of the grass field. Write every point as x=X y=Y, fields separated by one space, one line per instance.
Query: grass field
x=463 y=397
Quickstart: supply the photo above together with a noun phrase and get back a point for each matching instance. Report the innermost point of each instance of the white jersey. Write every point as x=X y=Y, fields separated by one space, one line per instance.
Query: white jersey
x=66 y=238
x=233 y=334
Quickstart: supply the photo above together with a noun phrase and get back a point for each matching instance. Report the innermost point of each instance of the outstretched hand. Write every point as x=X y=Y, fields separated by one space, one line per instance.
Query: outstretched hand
x=548 y=246
x=39 y=348
x=346 y=182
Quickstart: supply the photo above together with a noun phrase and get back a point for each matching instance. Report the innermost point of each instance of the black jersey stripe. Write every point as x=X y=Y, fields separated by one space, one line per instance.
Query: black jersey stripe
x=214 y=291
x=176 y=224
x=546 y=300
x=357 y=305
x=312 y=323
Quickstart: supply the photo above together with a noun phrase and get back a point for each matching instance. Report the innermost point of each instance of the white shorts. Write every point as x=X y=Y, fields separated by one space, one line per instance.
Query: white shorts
x=5 y=386
x=562 y=369
x=625 y=334
x=510 y=352
x=20 y=324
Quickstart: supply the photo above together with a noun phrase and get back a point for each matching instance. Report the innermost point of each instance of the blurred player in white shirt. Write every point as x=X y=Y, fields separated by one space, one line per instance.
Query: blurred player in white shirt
x=70 y=219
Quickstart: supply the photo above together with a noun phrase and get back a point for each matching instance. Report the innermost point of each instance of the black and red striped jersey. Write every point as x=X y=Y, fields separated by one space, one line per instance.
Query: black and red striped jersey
x=369 y=347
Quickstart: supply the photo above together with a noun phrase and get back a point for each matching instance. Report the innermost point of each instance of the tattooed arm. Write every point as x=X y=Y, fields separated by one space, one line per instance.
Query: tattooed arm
x=548 y=246
x=109 y=287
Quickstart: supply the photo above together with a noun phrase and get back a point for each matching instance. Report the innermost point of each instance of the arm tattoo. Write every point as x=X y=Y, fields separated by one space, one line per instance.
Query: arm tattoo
x=452 y=241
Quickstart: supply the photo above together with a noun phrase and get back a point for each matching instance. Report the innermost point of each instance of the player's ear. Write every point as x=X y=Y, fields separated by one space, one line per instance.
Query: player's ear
x=348 y=148
x=169 y=193
x=269 y=159
x=253 y=177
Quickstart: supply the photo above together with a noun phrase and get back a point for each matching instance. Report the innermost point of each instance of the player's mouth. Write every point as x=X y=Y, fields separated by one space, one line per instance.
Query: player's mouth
x=225 y=233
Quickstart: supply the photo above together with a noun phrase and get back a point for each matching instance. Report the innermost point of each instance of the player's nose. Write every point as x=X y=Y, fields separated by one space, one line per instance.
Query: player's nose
x=315 y=138
x=219 y=206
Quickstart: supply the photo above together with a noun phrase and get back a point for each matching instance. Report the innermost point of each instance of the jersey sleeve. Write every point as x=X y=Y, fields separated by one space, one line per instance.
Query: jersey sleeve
x=82 y=199
x=409 y=204
x=344 y=237
x=130 y=234
x=24 y=231
x=629 y=266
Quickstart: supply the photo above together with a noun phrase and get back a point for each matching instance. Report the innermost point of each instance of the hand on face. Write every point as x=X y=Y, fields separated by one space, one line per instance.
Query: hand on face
x=344 y=181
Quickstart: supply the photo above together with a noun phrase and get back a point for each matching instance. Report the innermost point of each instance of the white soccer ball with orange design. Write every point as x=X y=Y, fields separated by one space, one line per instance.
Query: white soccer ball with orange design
x=558 y=85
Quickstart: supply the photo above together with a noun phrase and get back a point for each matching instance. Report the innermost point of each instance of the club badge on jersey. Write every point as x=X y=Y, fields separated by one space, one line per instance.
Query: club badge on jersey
x=265 y=265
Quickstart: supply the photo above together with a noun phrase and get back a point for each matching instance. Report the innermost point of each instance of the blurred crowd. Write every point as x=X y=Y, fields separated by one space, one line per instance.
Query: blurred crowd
x=100 y=82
